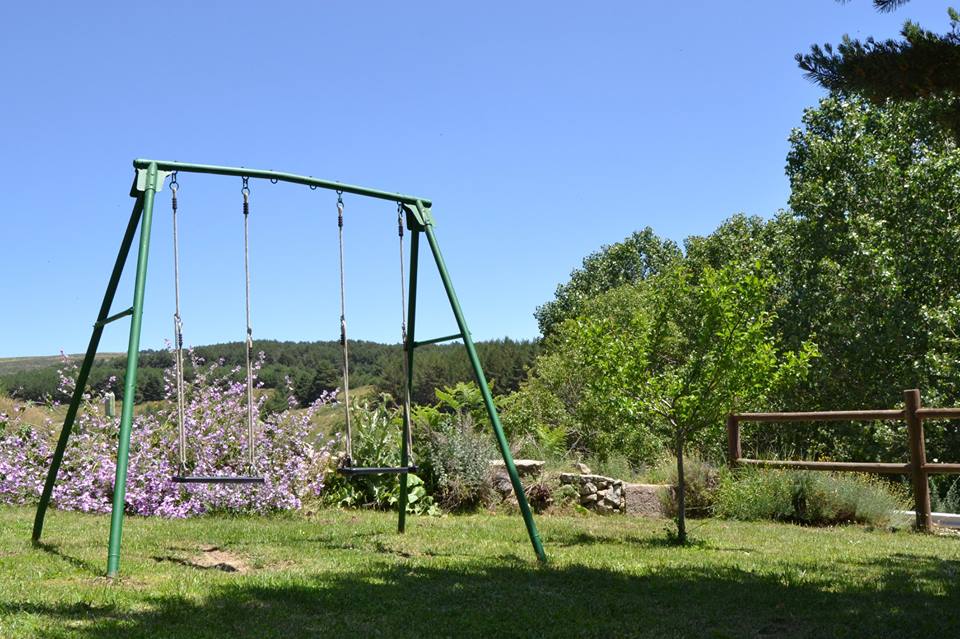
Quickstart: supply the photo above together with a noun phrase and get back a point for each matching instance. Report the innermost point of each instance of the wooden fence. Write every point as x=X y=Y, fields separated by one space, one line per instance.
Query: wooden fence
x=917 y=467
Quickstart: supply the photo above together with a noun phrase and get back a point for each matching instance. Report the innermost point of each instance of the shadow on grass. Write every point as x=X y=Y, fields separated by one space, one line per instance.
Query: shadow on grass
x=914 y=596
x=54 y=549
x=636 y=541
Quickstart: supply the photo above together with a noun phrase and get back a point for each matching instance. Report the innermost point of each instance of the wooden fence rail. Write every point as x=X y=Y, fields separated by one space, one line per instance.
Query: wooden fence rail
x=917 y=467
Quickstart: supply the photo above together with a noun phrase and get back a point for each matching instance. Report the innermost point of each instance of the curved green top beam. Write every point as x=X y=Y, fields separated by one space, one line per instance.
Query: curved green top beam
x=282 y=177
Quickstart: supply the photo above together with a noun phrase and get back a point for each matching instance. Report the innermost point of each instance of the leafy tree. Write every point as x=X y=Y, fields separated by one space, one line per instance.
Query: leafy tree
x=634 y=259
x=921 y=65
x=688 y=349
x=869 y=268
x=875 y=191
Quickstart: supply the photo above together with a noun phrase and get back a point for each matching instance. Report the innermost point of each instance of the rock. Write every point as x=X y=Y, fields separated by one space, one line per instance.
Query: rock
x=597 y=480
x=582 y=468
x=588 y=489
x=525 y=467
x=589 y=500
x=501 y=483
x=643 y=500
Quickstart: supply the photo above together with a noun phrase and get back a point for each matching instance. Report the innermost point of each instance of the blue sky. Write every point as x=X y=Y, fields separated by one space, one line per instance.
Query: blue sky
x=541 y=130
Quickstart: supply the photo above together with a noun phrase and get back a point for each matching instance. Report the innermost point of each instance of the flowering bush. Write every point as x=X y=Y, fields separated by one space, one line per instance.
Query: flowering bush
x=292 y=464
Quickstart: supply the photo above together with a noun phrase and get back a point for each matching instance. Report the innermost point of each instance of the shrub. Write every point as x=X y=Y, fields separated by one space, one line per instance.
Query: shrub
x=377 y=435
x=455 y=458
x=702 y=479
x=291 y=462
x=809 y=497
x=950 y=489
x=614 y=465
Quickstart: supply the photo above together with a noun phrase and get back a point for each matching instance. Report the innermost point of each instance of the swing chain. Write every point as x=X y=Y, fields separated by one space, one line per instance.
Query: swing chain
x=403 y=340
x=343 y=336
x=174 y=187
x=251 y=435
x=178 y=328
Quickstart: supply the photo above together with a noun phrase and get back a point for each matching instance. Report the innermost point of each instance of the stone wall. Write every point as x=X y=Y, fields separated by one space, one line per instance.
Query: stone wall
x=608 y=495
x=599 y=493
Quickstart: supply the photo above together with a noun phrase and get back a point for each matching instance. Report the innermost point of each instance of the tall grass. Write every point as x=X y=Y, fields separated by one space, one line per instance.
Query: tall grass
x=809 y=497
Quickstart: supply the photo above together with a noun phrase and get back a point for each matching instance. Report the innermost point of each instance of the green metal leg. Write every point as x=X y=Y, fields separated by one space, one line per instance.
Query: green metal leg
x=408 y=353
x=130 y=381
x=484 y=388
x=84 y=373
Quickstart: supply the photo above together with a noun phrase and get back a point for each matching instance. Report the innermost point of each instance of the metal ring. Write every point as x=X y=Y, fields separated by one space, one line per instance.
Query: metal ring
x=313 y=187
x=174 y=185
x=274 y=180
x=245 y=189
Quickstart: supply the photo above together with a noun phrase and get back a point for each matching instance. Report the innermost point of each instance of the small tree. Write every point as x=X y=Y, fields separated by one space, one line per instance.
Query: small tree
x=686 y=350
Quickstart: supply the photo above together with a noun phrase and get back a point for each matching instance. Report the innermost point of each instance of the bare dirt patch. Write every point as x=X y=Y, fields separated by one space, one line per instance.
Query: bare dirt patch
x=211 y=558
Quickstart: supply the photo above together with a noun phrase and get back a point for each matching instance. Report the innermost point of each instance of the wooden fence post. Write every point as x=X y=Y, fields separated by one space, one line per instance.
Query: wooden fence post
x=733 y=440
x=918 y=459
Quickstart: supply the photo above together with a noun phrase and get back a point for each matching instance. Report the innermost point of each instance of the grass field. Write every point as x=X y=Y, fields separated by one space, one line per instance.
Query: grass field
x=339 y=573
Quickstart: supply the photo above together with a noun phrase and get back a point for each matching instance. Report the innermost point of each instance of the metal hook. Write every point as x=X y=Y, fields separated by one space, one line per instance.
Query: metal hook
x=174 y=185
x=245 y=189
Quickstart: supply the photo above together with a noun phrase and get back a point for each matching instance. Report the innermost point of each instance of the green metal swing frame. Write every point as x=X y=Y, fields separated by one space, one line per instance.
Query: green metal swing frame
x=149 y=178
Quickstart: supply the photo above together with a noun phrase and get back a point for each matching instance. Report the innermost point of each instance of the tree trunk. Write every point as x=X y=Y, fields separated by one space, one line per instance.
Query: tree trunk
x=681 y=495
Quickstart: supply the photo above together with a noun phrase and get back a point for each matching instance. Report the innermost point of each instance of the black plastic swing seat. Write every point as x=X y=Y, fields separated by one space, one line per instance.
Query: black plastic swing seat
x=350 y=471
x=200 y=479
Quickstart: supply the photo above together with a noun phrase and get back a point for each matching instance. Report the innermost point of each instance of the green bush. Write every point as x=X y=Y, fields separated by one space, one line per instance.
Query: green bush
x=614 y=465
x=454 y=458
x=809 y=497
x=945 y=494
x=701 y=480
x=377 y=433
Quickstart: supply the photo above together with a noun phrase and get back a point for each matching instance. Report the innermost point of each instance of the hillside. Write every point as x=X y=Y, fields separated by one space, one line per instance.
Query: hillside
x=13 y=365
x=310 y=367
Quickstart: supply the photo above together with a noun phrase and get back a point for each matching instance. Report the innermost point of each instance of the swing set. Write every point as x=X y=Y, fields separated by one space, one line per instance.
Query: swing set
x=413 y=212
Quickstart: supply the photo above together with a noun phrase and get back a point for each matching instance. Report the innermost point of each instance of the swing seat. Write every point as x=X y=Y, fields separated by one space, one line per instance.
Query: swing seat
x=201 y=479
x=351 y=471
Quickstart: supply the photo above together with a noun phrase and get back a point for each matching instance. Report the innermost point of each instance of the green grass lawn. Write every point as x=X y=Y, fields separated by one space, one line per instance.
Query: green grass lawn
x=347 y=574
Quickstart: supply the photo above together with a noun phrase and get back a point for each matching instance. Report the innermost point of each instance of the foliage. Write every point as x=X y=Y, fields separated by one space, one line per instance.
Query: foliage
x=665 y=360
x=616 y=465
x=809 y=497
x=922 y=65
x=377 y=436
x=945 y=494
x=701 y=482
x=505 y=362
x=871 y=271
x=630 y=261
x=291 y=462
x=454 y=449
x=542 y=416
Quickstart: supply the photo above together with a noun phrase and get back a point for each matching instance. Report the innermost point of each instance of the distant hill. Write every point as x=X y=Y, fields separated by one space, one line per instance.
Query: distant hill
x=311 y=367
x=9 y=365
